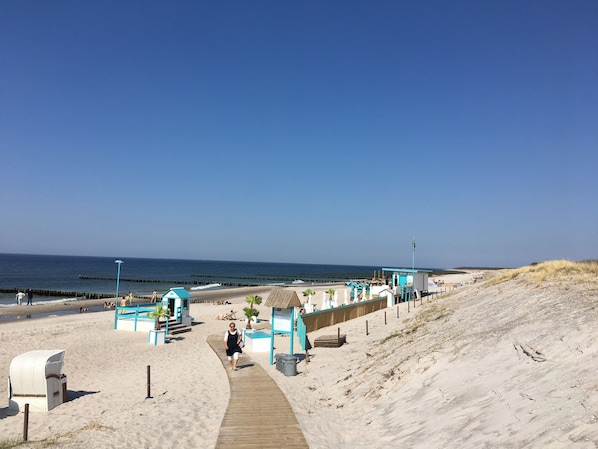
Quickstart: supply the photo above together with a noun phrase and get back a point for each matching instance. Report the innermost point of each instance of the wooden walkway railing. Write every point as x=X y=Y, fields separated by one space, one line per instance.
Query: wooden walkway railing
x=259 y=415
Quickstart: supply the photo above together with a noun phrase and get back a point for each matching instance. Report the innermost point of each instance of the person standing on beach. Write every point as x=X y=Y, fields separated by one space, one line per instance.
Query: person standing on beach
x=20 y=296
x=232 y=341
x=29 y=297
x=155 y=296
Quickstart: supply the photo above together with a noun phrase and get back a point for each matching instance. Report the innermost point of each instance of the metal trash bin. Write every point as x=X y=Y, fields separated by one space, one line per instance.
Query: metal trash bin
x=278 y=360
x=286 y=364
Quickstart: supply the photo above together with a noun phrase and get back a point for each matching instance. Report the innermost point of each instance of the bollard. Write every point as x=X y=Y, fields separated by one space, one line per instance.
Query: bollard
x=366 y=328
x=385 y=317
x=26 y=423
x=149 y=395
x=397 y=310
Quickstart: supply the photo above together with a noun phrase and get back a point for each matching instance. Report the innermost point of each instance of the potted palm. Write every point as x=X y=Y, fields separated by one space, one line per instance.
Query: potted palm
x=330 y=293
x=157 y=336
x=309 y=293
x=308 y=306
x=251 y=313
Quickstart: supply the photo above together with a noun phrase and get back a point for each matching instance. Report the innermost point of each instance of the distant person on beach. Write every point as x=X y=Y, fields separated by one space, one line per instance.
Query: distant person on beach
x=155 y=296
x=29 y=297
x=232 y=341
x=20 y=297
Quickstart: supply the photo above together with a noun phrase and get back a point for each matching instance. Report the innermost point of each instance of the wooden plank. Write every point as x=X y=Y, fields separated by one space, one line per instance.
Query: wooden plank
x=330 y=341
x=258 y=414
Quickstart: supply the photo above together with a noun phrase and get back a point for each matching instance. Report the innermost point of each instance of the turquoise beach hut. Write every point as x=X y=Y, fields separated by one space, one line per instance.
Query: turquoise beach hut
x=178 y=300
x=406 y=281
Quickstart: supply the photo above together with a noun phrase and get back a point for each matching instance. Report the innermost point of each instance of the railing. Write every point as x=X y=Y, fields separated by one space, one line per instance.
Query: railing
x=137 y=313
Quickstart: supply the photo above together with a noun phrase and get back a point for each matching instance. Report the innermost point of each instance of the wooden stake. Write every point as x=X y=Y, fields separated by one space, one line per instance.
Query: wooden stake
x=385 y=317
x=149 y=394
x=366 y=328
x=26 y=423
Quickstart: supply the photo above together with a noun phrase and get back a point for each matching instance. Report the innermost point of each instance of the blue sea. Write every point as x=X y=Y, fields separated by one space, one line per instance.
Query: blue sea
x=59 y=278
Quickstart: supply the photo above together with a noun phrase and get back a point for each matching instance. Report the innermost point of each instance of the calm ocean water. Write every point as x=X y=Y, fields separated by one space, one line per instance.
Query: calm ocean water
x=97 y=275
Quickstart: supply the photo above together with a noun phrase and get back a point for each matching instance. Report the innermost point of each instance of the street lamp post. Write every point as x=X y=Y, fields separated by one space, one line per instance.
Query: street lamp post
x=118 y=262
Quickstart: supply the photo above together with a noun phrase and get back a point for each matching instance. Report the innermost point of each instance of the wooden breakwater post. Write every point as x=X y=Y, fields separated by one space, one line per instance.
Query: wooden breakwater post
x=397 y=311
x=366 y=328
x=385 y=317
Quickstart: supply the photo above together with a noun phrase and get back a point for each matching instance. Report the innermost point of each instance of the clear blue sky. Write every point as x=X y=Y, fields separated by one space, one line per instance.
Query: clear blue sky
x=286 y=131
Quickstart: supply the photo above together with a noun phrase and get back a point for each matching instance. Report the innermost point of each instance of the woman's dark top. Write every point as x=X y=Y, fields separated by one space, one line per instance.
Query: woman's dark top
x=232 y=342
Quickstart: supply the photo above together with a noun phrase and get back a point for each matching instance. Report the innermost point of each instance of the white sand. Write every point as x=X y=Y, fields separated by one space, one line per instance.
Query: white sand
x=455 y=375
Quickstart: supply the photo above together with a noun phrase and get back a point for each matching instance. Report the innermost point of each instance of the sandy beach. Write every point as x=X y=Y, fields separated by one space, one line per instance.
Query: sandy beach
x=487 y=364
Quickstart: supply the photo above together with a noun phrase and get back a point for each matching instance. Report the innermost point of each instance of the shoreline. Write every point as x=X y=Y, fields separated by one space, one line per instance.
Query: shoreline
x=43 y=310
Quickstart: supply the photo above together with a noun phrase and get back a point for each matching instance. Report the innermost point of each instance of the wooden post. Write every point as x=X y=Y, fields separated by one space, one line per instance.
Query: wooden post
x=397 y=310
x=149 y=394
x=26 y=423
x=366 y=328
x=408 y=306
x=306 y=350
x=64 y=393
x=385 y=317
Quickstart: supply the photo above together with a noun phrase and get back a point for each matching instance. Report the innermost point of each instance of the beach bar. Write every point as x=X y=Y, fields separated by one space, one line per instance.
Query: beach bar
x=406 y=281
x=35 y=378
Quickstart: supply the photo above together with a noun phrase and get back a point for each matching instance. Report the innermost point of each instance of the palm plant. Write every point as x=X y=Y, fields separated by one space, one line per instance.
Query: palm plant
x=331 y=293
x=158 y=313
x=309 y=293
x=250 y=312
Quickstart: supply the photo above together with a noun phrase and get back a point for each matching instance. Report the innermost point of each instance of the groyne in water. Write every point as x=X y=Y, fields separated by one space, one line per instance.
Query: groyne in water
x=168 y=281
x=243 y=281
x=58 y=293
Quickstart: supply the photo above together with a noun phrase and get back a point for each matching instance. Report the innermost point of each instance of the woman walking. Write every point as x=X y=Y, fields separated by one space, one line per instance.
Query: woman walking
x=232 y=341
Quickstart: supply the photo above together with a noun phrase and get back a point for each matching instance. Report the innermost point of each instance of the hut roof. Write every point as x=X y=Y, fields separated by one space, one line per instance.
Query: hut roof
x=177 y=292
x=282 y=298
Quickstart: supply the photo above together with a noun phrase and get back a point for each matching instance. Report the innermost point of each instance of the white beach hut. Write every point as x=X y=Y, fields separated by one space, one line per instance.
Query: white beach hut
x=35 y=378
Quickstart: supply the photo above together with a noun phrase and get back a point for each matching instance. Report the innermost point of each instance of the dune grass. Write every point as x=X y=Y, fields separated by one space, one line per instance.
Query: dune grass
x=557 y=271
x=9 y=444
x=53 y=440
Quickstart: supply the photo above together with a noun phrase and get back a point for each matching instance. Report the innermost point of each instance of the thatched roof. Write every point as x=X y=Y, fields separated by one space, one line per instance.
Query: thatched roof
x=282 y=299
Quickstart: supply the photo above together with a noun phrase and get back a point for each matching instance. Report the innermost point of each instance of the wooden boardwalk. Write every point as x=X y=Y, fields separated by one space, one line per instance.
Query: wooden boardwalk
x=259 y=415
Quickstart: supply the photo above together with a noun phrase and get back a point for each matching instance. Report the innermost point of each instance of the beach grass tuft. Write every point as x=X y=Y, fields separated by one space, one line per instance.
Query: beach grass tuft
x=9 y=444
x=558 y=271
x=54 y=439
